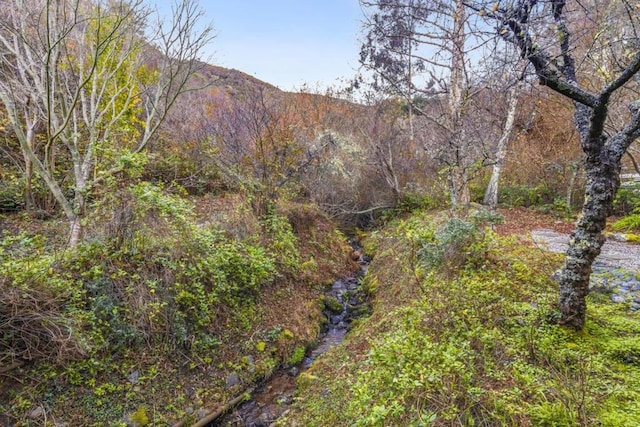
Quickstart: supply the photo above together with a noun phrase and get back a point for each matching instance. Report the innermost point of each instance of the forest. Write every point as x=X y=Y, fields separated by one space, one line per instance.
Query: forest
x=181 y=242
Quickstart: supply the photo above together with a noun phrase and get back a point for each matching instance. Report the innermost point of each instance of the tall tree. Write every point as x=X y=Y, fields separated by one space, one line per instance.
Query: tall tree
x=98 y=77
x=551 y=35
x=421 y=48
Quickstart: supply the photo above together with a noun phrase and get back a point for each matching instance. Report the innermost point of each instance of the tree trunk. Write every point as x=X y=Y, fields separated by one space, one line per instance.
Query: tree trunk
x=458 y=174
x=29 y=200
x=575 y=170
x=491 y=195
x=459 y=188
x=585 y=243
x=75 y=231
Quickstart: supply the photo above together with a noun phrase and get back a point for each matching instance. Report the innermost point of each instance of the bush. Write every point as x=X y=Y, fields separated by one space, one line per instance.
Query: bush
x=451 y=247
x=154 y=276
x=35 y=322
x=627 y=199
x=11 y=193
x=523 y=195
x=628 y=223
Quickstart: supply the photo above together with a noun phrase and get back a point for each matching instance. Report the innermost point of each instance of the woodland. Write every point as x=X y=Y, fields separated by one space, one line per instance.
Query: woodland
x=169 y=228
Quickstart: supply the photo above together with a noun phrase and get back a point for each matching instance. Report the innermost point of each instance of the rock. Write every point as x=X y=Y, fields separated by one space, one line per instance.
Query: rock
x=617 y=298
x=336 y=320
x=232 y=380
x=627 y=286
x=620 y=237
x=293 y=372
x=133 y=377
x=635 y=306
x=37 y=412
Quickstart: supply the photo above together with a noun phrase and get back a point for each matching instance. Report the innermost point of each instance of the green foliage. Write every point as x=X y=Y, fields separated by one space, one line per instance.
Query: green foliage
x=410 y=202
x=282 y=242
x=628 y=223
x=297 y=356
x=526 y=196
x=139 y=417
x=11 y=192
x=157 y=277
x=627 y=199
x=478 y=346
x=450 y=247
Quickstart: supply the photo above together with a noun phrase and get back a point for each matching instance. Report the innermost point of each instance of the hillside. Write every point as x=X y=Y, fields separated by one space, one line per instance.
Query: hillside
x=183 y=244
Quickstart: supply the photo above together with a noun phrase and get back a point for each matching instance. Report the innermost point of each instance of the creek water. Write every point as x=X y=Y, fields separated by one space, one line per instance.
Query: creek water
x=274 y=397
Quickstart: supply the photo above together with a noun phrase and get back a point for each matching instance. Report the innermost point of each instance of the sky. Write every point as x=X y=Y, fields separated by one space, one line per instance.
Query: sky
x=287 y=43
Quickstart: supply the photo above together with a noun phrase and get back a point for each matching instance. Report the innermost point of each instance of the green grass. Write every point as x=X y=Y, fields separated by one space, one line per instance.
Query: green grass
x=477 y=345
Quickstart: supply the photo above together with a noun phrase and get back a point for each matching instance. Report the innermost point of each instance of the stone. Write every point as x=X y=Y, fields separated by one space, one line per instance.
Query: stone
x=335 y=320
x=626 y=286
x=293 y=372
x=617 y=298
x=37 y=412
x=232 y=380
x=133 y=377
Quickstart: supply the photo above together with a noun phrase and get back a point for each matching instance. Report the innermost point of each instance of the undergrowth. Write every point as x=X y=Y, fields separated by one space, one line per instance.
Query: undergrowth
x=157 y=298
x=463 y=333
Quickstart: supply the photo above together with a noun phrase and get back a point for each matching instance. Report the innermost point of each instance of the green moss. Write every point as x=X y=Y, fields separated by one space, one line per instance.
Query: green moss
x=332 y=304
x=287 y=334
x=297 y=356
x=139 y=417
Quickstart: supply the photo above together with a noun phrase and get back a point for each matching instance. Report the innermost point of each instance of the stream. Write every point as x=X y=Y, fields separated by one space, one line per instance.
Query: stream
x=274 y=397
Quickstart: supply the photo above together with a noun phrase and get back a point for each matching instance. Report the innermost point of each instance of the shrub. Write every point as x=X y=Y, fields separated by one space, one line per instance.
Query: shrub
x=628 y=223
x=154 y=276
x=450 y=247
x=524 y=195
x=627 y=199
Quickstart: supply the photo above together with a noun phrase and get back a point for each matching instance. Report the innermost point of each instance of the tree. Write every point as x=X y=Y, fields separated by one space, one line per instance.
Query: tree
x=96 y=79
x=491 y=194
x=420 y=48
x=512 y=81
x=547 y=34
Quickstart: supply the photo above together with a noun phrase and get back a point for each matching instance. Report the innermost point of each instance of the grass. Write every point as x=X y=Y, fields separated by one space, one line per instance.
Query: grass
x=472 y=340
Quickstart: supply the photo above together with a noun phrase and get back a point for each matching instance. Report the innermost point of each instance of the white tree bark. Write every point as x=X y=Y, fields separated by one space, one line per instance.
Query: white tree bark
x=491 y=194
x=74 y=68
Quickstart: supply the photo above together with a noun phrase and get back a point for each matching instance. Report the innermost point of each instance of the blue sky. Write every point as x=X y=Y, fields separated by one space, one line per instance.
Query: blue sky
x=286 y=42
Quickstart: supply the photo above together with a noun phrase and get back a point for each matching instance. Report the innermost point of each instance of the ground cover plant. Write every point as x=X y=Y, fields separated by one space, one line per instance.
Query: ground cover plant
x=163 y=312
x=471 y=338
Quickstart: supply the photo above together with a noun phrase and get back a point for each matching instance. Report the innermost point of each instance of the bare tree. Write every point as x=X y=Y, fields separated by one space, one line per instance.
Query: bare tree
x=97 y=78
x=548 y=34
x=420 y=50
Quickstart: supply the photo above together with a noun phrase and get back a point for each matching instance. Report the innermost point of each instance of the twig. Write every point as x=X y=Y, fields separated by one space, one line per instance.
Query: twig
x=217 y=412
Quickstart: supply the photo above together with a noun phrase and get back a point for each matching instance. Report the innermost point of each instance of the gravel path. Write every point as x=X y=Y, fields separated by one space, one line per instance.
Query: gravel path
x=614 y=253
x=616 y=271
